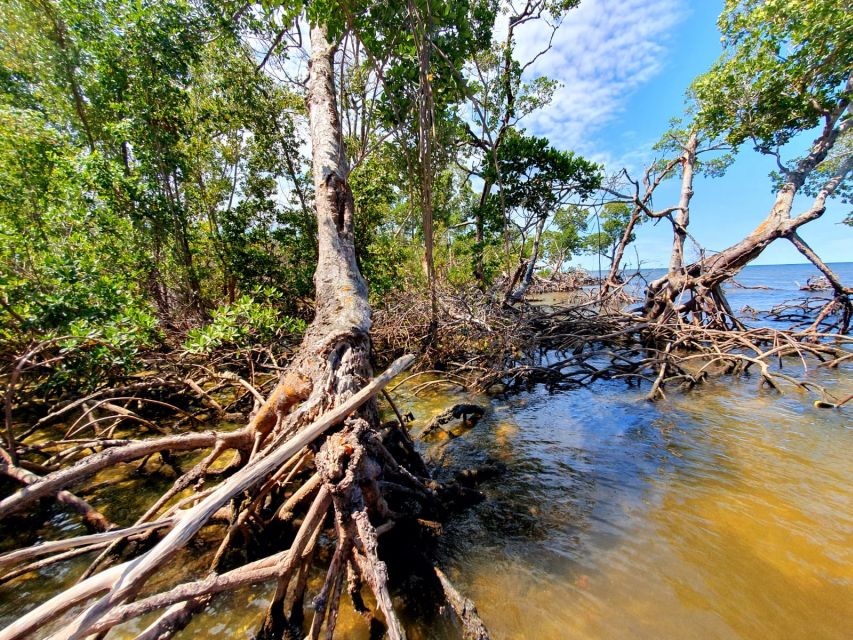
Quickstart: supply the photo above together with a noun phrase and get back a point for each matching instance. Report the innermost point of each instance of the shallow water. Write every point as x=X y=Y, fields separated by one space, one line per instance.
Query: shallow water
x=723 y=513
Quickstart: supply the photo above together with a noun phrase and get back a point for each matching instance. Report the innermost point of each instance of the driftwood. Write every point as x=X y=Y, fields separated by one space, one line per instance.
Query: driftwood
x=60 y=480
x=468 y=413
x=472 y=626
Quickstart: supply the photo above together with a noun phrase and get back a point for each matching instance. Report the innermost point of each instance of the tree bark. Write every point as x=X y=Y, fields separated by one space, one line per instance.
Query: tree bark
x=519 y=292
x=673 y=281
x=91 y=516
x=682 y=217
x=616 y=262
x=829 y=274
x=841 y=300
x=480 y=235
x=333 y=362
x=334 y=358
x=640 y=206
x=705 y=277
x=558 y=265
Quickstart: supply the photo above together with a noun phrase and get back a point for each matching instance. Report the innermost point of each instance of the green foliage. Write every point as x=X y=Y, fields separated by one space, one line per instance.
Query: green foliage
x=537 y=177
x=785 y=63
x=94 y=352
x=566 y=237
x=456 y=29
x=67 y=262
x=613 y=222
x=380 y=209
x=535 y=181
x=191 y=143
x=785 y=70
x=249 y=320
x=674 y=142
x=142 y=166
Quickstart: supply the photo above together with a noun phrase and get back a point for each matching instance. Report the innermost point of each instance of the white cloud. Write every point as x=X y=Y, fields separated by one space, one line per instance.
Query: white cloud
x=604 y=50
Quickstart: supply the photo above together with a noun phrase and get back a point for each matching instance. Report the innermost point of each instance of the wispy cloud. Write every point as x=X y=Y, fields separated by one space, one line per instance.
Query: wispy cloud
x=604 y=51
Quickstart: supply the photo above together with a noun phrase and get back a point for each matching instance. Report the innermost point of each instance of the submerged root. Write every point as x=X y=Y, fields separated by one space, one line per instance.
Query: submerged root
x=565 y=347
x=350 y=476
x=472 y=626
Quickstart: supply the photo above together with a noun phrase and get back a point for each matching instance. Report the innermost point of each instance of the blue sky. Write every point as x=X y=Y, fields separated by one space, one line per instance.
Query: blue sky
x=624 y=66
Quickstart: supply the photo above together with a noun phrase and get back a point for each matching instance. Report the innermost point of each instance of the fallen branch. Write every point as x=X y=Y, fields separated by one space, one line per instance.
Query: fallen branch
x=472 y=626
x=19 y=555
x=126 y=583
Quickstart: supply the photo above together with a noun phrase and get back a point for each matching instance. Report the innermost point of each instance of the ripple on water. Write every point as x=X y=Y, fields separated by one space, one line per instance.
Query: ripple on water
x=723 y=513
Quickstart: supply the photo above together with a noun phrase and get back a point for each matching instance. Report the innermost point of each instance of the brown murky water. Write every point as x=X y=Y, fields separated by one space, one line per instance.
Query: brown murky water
x=724 y=513
x=721 y=514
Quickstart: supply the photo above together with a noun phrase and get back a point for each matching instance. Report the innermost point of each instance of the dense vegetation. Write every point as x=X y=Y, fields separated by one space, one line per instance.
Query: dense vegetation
x=154 y=168
x=175 y=187
x=154 y=161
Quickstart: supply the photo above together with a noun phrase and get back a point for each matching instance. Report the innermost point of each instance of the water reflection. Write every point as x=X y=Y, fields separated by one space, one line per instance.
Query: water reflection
x=719 y=514
x=723 y=513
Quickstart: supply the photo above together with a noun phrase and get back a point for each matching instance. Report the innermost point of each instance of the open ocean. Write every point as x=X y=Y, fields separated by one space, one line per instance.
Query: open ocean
x=783 y=282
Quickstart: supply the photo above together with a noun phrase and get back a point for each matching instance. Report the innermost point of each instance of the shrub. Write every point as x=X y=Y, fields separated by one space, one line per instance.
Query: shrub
x=249 y=320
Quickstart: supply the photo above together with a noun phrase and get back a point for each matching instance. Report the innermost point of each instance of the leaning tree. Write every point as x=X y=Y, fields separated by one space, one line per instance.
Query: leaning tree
x=785 y=71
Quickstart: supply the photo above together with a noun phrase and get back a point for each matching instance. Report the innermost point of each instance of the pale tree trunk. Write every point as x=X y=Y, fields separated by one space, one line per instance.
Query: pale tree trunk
x=333 y=362
x=841 y=301
x=615 y=264
x=342 y=314
x=527 y=279
x=559 y=264
x=704 y=278
x=673 y=281
x=829 y=274
x=425 y=132
x=640 y=207
x=682 y=216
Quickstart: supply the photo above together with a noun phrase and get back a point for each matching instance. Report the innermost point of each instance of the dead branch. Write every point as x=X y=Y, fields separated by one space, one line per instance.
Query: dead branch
x=472 y=626
x=125 y=584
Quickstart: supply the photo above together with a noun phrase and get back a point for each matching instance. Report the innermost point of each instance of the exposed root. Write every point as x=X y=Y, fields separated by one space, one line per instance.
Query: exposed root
x=58 y=481
x=288 y=484
x=816 y=314
x=353 y=472
x=572 y=346
x=81 y=541
x=468 y=413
